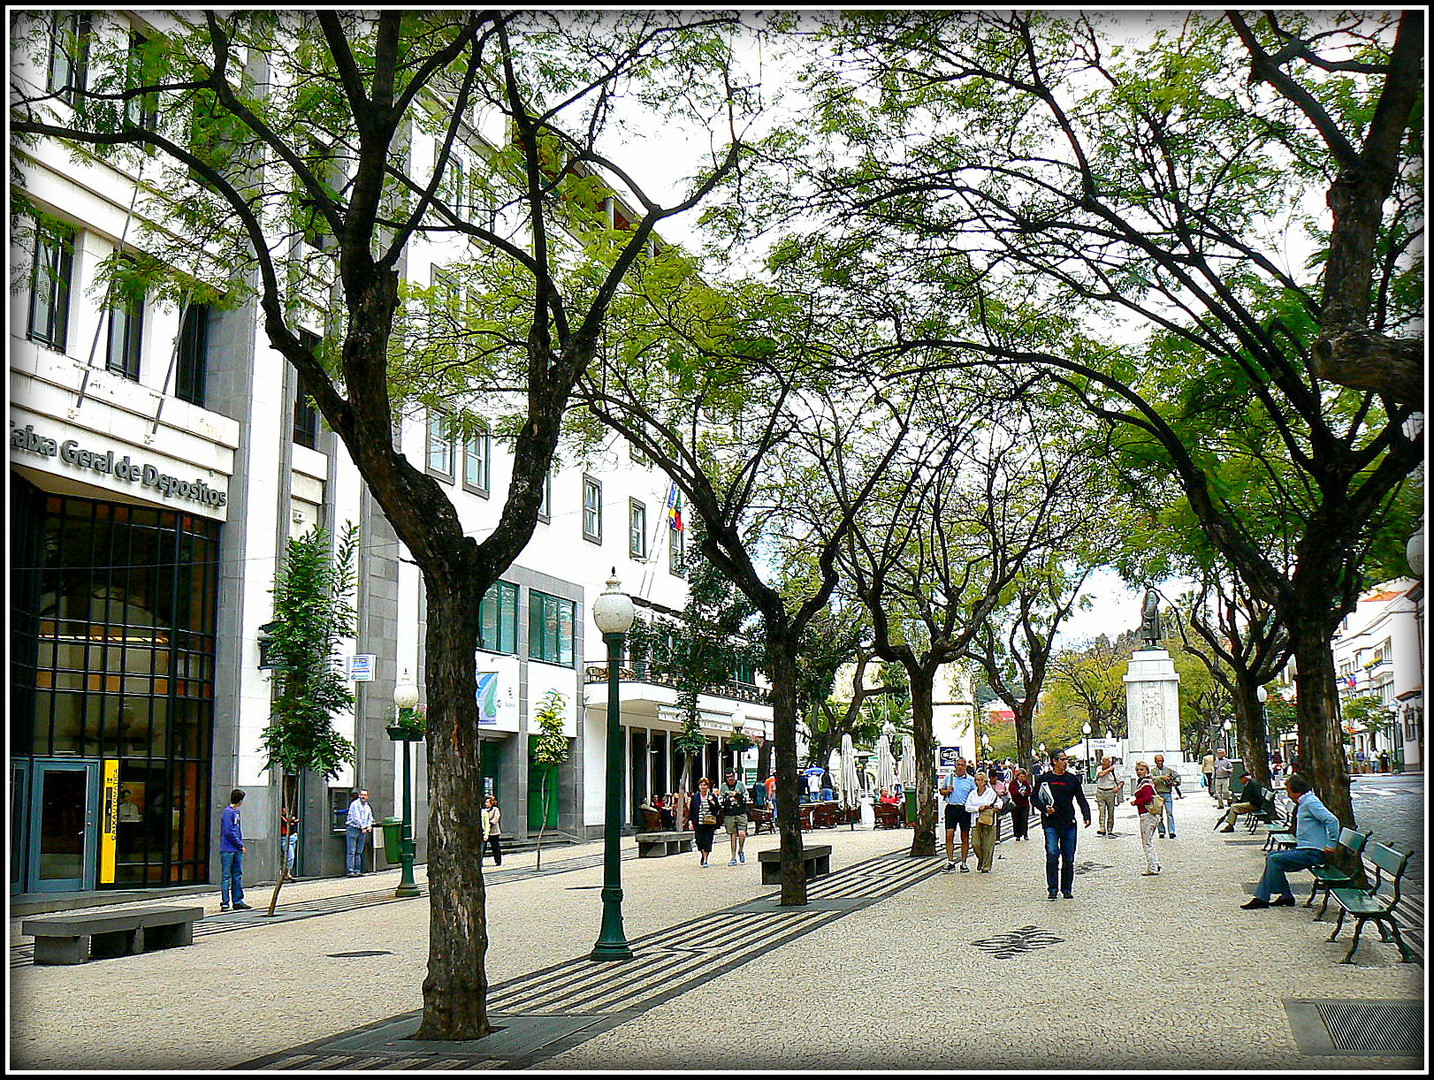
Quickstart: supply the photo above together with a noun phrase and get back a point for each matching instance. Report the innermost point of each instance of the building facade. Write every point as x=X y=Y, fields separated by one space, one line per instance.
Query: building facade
x=161 y=455
x=1378 y=652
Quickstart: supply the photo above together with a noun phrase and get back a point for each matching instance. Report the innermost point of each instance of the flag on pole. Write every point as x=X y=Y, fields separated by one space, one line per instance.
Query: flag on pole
x=674 y=509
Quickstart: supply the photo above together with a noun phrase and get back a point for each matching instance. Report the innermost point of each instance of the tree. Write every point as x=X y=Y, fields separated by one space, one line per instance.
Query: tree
x=284 y=141
x=550 y=749
x=1095 y=676
x=313 y=611
x=1062 y=182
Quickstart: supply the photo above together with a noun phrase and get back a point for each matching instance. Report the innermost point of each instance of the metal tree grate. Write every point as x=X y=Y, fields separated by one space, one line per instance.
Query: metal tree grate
x=1374 y=1027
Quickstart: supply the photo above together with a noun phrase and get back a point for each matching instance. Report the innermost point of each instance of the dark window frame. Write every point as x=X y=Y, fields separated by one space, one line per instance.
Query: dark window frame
x=593 y=534
x=637 y=529
x=441 y=419
x=52 y=326
x=142 y=110
x=306 y=414
x=125 y=336
x=546 y=635
x=483 y=483
x=501 y=599
x=68 y=71
x=191 y=366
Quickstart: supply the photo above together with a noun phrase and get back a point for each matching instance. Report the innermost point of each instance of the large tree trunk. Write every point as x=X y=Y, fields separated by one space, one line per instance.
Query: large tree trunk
x=782 y=667
x=1321 y=750
x=455 y=991
x=1250 y=733
x=1026 y=734
x=923 y=839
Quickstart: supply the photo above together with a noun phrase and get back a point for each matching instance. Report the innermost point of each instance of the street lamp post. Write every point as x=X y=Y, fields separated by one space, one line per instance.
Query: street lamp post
x=1262 y=695
x=1226 y=726
x=1085 y=730
x=1041 y=764
x=613 y=613
x=405 y=699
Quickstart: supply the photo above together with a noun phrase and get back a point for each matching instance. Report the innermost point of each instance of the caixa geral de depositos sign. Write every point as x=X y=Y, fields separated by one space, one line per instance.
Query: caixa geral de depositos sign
x=122 y=468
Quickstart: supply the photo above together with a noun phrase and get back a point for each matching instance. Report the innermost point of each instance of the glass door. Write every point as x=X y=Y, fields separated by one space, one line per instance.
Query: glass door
x=64 y=826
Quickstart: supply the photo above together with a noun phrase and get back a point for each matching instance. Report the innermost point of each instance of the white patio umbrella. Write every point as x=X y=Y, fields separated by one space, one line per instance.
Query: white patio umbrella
x=885 y=763
x=906 y=772
x=850 y=788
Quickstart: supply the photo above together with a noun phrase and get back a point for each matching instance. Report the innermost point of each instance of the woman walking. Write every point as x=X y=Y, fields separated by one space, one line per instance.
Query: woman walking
x=706 y=816
x=1019 y=792
x=1143 y=800
x=492 y=829
x=981 y=804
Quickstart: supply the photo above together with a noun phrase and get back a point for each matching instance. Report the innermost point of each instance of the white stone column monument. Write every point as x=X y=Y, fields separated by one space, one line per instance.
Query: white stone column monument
x=1152 y=705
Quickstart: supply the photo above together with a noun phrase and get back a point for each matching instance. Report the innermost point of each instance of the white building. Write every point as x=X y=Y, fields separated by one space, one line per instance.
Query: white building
x=160 y=457
x=1378 y=651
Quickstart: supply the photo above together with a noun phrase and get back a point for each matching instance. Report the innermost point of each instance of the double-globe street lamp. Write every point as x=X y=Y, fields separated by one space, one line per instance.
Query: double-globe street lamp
x=613 y=613
x=405 y=700
x=1085 y=730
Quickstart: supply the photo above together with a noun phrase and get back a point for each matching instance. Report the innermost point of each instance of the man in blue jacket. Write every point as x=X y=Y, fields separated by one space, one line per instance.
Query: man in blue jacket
x=231 y=855
x=1316 y=836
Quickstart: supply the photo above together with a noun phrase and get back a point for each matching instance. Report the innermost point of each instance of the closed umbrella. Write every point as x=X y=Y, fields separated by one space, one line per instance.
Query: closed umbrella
x=906 y=772
x=885 y=771
x=850 y=788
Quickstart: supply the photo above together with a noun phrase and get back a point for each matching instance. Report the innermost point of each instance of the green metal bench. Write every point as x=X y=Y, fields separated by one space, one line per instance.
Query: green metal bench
x=1331 y=876
x=1280 y=831
x=1366 y=904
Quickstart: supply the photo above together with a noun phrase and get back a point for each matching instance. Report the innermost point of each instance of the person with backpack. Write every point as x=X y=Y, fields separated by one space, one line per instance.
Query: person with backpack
x=734 y=815
x=1150 y=808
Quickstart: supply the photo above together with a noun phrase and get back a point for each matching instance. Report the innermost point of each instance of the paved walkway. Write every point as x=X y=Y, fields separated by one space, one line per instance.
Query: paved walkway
x=891 y=966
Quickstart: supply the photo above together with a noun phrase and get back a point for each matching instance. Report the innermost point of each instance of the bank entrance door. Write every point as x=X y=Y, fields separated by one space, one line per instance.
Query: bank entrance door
x=63 y=820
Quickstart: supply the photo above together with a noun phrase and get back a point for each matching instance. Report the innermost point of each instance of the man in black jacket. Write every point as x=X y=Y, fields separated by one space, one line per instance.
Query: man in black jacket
x=1249 y=801
x=1056 y=793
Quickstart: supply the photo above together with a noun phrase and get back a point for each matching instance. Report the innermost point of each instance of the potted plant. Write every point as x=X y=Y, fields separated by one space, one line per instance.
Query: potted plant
x=408 y=725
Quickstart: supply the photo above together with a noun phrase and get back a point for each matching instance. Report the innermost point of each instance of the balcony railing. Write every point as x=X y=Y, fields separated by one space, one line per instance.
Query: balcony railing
x=638 y=671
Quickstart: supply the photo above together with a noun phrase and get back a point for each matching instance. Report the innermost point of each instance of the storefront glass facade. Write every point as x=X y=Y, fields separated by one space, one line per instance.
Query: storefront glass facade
x=112 y=646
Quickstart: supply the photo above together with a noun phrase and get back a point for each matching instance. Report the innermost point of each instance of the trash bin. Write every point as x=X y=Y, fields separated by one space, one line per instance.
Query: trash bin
x=392 y=838
x=911 y=805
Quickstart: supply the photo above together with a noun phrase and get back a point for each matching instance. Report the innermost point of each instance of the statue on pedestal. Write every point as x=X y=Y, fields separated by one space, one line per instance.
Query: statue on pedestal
x=1150 y=619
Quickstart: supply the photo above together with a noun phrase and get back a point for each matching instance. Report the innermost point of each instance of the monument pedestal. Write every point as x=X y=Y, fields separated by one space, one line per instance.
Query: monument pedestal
x=1152 y=709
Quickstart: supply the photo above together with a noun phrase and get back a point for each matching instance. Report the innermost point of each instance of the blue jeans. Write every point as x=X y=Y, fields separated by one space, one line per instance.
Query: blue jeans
x=231 y=877
x=288 y=846
x=354 y=841
x=1060 y=856
x=1277 y=862
x=1167 y=822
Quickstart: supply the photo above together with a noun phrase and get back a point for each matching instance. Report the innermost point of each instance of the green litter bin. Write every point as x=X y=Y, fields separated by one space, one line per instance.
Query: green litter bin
x=392 y=838
x=911 y=806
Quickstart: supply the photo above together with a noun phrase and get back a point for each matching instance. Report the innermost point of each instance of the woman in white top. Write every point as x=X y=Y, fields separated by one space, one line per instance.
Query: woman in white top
x=492 y=819
x=981 y=805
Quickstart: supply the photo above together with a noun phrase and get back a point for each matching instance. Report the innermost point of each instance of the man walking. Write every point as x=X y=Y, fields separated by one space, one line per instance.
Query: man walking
x=733 y=795
x=1316 y=836
x=358 y=825
x=956 y=790
x=1107 y=790
x=1056 y=793
x=1167 y=784
x=1223 y=768
x=231 y=855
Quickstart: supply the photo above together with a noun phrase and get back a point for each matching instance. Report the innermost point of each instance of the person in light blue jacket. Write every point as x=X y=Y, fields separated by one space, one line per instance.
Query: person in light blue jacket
x=1316 y=836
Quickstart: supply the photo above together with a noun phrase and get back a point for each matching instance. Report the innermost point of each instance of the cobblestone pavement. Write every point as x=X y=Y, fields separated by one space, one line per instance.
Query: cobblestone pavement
x=891 y=966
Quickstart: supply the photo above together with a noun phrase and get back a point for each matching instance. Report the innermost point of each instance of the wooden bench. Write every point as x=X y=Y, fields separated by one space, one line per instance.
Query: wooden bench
x=816 y=859
x=760 y=818
x=654 y=845
x=1330 y=876
x=1366 y=904
x=77 y=938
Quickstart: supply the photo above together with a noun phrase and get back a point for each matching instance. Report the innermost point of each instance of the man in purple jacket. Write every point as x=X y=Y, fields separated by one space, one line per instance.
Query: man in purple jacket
x=231 y=855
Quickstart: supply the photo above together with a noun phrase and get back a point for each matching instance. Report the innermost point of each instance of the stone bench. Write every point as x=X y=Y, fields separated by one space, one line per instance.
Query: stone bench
x=76 y=938
x=816 y=859
x=654 y=845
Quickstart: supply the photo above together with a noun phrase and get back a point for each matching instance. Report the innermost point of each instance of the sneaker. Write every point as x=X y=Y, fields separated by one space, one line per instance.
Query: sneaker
x=1068 y=896
x=1172 y=836
x=1255 y=904
x=948 y=868
x=965 y=869
x=741 y=856
x=731 y=862
x=1228 y=828
x=1283 y=901
x=1149 y=873
x=223 y=907
x=239 y=905
x=1051 y=895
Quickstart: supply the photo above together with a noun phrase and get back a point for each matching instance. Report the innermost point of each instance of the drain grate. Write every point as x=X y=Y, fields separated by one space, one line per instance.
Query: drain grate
x=1374 y=1027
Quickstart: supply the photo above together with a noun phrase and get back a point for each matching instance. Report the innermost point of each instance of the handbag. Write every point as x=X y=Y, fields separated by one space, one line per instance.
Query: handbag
x=1157 y=806
x=986 y=815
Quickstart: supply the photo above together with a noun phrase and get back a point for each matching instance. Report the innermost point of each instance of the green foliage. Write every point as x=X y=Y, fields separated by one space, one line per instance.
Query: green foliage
x=313 y=610
x=551 y=747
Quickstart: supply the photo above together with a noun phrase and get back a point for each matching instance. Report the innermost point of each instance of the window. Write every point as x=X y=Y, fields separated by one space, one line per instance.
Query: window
x=50 y=275
x=545 y=508
x=592 y=510
x=193 y=358
x=69 y=53
x=440 y=446
x=498 y=618
x=142 y=110
x=125 y=329
x=477 y=456
x=636 y=529
x=676 y=552
x=306 y=416
x=550 y=628
x=744 y=672
x=637 y=455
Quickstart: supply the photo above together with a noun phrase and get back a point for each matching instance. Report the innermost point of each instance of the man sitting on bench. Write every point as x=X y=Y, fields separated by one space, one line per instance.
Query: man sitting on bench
x=1248 y=803
x=1316 y=836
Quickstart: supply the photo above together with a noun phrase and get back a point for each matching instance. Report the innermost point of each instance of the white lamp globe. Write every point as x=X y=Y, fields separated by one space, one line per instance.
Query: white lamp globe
x=1261 y=694
x=1414 y=552
x=1085 y=729
x=612 y=610
x=405 y=694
